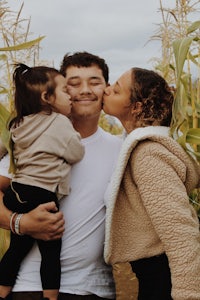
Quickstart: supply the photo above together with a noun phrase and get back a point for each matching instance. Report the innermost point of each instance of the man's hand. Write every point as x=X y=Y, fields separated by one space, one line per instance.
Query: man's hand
x=42 y=224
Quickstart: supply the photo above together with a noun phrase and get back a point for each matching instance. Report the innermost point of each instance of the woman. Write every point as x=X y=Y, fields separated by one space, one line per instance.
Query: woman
x=150 y=222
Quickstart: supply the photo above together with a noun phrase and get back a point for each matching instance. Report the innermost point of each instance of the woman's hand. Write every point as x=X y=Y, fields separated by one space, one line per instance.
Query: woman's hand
x=44 y=222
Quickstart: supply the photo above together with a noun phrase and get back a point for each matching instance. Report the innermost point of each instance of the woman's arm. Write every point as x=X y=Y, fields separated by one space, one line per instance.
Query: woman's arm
x=160 y=177
x=40 y=223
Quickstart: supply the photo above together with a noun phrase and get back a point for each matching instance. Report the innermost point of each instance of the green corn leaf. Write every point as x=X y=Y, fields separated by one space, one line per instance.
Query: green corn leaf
x=4 y=241
x=23 y=45
x=193 y=136
x=192 y=58
x=181 y=48
x=197 y=106
x=5 y=117
x=3 y=90
x=3 y=57
x=194 y=26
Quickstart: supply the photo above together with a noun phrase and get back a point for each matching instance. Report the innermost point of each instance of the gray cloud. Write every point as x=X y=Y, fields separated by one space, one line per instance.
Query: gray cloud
x=117 y=30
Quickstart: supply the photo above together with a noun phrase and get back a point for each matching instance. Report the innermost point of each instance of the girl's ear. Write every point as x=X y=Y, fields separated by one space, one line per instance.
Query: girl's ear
x=44 y=97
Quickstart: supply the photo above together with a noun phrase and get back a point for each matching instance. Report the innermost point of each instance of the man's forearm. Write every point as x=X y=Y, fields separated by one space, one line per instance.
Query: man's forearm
x=4 y=214
x=40 y=223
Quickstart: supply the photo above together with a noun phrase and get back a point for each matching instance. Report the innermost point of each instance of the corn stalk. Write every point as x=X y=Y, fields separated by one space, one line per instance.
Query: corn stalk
x=15 y=46
x=180 y=66
x=186 y=111
x=174 y=26
x=185 y=125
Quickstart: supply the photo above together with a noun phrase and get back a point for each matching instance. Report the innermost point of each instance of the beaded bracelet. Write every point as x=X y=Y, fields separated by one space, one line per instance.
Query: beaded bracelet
x=17 y=224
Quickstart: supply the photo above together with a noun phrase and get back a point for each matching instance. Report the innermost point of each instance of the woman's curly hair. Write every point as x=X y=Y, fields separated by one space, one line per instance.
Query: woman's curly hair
x=155 y=95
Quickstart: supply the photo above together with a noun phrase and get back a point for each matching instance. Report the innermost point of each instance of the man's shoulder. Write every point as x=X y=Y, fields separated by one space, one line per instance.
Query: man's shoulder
x=110 y=137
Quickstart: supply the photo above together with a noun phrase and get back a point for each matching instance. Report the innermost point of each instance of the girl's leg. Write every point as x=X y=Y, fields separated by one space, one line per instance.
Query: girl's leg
x=50 y=267
x=10 y=263
x=35 y=196
x=19 y=247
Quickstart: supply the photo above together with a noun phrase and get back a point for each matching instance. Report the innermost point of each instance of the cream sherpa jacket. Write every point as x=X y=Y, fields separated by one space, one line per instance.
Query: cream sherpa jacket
x=148 y=211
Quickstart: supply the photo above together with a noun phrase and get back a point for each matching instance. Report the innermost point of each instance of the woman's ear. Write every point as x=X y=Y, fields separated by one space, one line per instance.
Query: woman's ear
x=137 y=108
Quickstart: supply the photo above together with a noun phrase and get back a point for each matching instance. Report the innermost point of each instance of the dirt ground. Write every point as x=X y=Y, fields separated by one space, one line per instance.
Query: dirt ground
x=126 y=282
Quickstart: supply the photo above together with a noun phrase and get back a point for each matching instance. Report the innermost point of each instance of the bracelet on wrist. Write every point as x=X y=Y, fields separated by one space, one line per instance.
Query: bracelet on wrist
x=12 y=221
x=17 y=224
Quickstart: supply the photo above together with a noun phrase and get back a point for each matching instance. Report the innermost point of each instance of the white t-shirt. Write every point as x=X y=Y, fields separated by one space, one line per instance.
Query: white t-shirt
x=83 y=270
x=4 y=166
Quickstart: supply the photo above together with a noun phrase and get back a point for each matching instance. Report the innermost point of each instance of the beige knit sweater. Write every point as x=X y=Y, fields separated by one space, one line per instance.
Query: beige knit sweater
x=45 y=147
x=148 y=210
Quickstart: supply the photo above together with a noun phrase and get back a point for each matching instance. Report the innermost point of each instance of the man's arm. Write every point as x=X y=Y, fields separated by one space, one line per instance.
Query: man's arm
x=40 y=223
x=4 y=212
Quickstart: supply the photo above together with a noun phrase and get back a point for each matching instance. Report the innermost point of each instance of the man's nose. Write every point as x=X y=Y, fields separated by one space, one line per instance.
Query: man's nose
x=85 y=88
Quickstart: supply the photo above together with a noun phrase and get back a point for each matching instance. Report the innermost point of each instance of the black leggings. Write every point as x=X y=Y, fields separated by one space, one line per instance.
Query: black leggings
x=20 y=245
x=154 y=278
x=62 y=296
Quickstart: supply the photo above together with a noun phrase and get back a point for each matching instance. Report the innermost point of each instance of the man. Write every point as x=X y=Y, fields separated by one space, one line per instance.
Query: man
x=84 y=275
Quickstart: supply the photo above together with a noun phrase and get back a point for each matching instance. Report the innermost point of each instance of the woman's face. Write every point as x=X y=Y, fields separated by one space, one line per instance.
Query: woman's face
x=116 y=99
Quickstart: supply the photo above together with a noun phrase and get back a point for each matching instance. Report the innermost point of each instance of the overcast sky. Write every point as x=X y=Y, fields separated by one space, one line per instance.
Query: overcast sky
x=117 y=30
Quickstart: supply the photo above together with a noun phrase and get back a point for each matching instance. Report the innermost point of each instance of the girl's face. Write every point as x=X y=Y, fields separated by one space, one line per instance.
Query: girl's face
x=60 y=101
x=116 y=99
